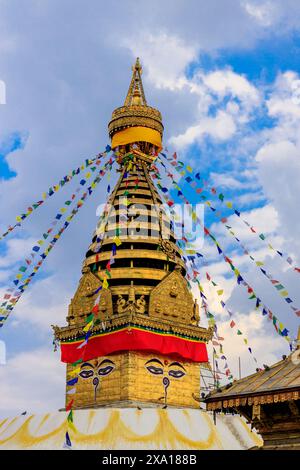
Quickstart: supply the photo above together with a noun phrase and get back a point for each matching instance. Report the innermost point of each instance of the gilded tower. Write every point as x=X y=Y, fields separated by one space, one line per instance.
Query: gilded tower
x=146 y=345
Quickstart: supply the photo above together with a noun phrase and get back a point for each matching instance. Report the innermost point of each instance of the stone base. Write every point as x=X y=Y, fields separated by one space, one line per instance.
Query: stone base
x=129 y=428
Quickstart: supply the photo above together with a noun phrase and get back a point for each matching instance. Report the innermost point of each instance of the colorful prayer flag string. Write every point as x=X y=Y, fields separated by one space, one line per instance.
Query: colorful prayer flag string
x=280 y=288
x=179 y=167
x=9 y=306
x=54 y=189
x=281 y=330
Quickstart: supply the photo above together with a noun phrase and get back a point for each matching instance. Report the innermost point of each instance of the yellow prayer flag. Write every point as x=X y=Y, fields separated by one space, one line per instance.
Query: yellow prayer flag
x=88 y=326
x=117 y=241
x=71 y=426
x=229 y=205
x=74 y=372
x=105 y=284
x=284 y=293
x=189 y=169
x=220 y=292
x=259 y=263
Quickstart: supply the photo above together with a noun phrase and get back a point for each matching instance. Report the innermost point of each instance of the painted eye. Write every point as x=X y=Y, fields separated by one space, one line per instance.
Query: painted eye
x=105 y=370
x=155 y=370
x=86 y=374
x=177 y=374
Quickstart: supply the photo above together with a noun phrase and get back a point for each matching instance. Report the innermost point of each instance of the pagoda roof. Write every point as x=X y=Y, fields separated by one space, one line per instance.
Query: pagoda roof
x=279 y=382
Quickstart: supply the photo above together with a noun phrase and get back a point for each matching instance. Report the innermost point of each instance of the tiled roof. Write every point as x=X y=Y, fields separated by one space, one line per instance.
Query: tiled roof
x=282 y=379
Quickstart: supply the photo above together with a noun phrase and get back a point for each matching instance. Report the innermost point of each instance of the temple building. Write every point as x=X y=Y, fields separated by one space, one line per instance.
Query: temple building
x=269 y=400
x=147 y=345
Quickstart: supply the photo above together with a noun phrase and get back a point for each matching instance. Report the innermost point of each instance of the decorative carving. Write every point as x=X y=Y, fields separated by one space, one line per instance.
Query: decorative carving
x=172 y=299
x=128 y=116
x=84 y=299
x=196 y=314
x=168 y=248
x=141 y=305
x=121 y=304
x=131 y=305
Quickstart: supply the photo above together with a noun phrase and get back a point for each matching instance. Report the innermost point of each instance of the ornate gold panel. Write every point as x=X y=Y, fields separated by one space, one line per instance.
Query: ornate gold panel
x=83 y=301
x=171 y=299
x=137 y=378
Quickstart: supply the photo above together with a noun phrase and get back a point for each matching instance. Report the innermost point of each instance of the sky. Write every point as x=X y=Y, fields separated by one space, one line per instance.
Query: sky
x=225 y=75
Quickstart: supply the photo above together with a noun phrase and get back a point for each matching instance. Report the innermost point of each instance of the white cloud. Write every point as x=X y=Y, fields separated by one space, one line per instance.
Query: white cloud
x=16 y=248
x=221 y=127
x=224 y=100
x=264 y=13
x=165 y=58
x=284 y=102
x=226 y=82
x=33 y=382
x=2 y=92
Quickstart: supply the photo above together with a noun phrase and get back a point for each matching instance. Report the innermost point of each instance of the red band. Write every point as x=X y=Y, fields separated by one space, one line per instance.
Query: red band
x=134 y=339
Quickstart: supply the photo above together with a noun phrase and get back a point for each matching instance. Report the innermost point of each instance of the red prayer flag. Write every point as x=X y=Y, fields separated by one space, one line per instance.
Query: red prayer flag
x=69 y=405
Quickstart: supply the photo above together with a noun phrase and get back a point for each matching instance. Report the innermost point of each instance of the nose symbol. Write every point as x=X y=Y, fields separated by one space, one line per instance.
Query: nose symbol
x=96 y=383
x=166 y=382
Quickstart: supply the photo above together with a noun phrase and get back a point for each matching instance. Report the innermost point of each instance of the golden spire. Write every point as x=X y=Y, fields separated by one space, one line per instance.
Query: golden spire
x=137 y=114
x=136 y=95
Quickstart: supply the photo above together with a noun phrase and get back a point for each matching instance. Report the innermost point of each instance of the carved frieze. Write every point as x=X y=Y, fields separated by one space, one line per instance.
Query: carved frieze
x=171 y=299
x=84 y=299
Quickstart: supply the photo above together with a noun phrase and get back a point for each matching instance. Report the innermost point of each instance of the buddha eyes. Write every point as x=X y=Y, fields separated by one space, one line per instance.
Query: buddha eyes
x=155 y=370
x=177 y=374
x=105 y=370
x=86 y=374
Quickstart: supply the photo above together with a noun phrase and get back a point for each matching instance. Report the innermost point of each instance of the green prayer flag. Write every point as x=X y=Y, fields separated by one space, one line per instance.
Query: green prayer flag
x=76 y=362
x=70 y=417
x=89 y=318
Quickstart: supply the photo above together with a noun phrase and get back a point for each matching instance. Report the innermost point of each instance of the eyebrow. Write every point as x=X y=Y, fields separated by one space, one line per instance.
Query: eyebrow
x=106 y=361
x=154 y=360
x=177 y=364
x=87 y=364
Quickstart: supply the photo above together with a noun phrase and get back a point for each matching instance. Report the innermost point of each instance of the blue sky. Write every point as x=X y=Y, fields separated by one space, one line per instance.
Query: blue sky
x=228 y=86
x=11 y=143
